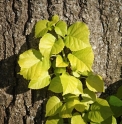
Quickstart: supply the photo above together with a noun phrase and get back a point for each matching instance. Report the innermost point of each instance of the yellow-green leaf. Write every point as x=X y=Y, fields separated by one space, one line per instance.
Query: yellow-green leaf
x=77 y=36
x=61 y=28
x=89 y=96
x=82 y=60
x=49 y=45
x=32 y=64
x=60 y=62
x=54 y=20
x=71 y=84
x=41 y=28
x=54 y=120
x=56 y=85
x=77 y=119
x=40 y=82
x=53 y=106
x=95 y=83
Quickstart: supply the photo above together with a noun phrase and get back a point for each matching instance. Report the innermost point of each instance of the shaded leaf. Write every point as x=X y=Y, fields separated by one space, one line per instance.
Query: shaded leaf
x=110 y=120
x=95 y=83
x=100 y=111
x=116 y=105
x=54 y=120
x=55 y=85
x=88 y=96
x=119 y=92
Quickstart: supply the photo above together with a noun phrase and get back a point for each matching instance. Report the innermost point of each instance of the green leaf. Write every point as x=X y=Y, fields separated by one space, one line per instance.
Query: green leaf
x=41 y=28
x=49 y=45
x=71 y=85
x=95 y=83
x=119 y=92
x=88 y=96
x=32 y=64
x=60 y=62
x=81 y=60
x=54 y=120
x=77 y=36
x=116 y=105
x=53 y=106
x=40 y=82
x=77 y=119
x=61 y=28
x=110 y=120
x=100 y=111
x=55 y=85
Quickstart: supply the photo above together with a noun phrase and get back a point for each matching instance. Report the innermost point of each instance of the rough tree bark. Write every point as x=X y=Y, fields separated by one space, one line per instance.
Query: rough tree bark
x=18 y=104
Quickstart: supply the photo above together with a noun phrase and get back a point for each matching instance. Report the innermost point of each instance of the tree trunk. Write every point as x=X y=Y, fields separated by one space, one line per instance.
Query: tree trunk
x=18 y=104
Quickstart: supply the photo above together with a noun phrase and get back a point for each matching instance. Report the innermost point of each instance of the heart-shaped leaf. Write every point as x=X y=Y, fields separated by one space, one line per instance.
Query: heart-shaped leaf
x=49 y=45
x=60 y=62
x=77 y=36
x=61 y=28
x=53 y=106
x=95 y=83
x=81 y=60
x=32 y=64
x=77 y=119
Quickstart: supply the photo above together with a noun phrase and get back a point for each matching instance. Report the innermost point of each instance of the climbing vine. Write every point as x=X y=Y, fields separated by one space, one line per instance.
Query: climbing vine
x=63 y=63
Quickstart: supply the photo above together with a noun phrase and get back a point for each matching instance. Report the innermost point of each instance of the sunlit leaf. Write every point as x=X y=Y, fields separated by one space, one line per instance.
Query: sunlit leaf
x=49 y=45
x=71 y=84
x=54 y=20
x=53 y=106
x=77 y=36
x=40 y=82
x=100 y=110
x=41 y=28
x=116 y=105
x=77 y=119
x=95 y=83
x=61 y=28
x=60 y=62
x=32 y=64
x=82 y=60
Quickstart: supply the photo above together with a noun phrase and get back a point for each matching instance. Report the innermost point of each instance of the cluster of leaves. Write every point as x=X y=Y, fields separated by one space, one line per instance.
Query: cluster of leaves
x=63 y=62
